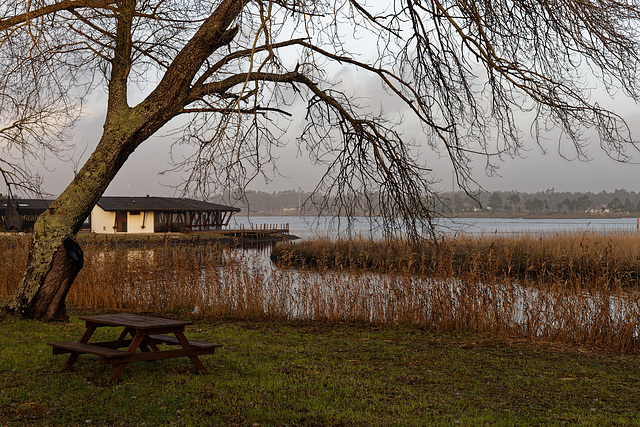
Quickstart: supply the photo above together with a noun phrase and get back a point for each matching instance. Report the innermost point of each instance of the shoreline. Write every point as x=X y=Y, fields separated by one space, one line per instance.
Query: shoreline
x=500 y=215
x=554 y=215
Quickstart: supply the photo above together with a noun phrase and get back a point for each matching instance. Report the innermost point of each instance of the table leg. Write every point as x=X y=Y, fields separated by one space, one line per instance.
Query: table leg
x=184 y=342
x=117 y=372
x=73 y=357
x=144 y=345
x=122 y=336
x=151 y=344
x=133 y=347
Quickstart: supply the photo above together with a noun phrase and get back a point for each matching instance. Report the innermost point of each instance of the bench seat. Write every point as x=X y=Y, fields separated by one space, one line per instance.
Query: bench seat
x=171 y=340
x=60 y=347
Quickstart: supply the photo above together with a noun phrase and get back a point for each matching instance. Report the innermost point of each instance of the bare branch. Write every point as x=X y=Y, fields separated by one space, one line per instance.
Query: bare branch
x=65 y=5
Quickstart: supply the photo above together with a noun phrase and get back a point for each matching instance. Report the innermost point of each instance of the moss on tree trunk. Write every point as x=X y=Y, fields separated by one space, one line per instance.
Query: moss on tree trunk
x=51 y=269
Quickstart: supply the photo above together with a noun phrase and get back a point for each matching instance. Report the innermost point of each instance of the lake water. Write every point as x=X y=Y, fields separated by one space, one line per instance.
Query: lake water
x=312 y=227
x=236 y=282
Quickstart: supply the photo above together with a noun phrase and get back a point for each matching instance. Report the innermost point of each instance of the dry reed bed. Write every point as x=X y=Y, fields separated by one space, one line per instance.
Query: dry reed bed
x=475 y=293
x=579 y=258
x=14 y=249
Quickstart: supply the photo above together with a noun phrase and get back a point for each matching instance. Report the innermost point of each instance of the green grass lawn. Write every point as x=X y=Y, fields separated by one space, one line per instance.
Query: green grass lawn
x=271 y=373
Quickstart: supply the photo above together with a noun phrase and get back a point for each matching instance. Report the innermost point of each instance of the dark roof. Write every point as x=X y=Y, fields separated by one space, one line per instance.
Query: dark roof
x=160 y=204
x=27 y=204
x=110 y=203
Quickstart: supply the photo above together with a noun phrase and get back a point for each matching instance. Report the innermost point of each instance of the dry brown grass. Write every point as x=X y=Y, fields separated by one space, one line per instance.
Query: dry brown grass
x=14 y=249
x=585 y=259
x=571 y=288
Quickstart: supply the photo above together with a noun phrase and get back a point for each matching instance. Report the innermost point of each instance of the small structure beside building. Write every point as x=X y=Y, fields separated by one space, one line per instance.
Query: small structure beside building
x=130 y=214
x=21 y=214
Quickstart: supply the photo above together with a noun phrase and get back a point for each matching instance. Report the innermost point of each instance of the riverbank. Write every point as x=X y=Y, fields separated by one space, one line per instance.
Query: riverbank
x=224 y=238
x=310 y=374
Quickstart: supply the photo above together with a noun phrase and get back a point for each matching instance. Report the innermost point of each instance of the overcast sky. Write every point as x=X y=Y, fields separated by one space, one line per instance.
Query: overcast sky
x=534 y=171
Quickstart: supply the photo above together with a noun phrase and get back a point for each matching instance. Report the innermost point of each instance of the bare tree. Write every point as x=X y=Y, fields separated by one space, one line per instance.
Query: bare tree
x=234 y=68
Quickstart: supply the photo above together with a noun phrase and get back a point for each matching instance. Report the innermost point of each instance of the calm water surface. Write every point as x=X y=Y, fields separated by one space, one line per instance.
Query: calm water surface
x=312 y=227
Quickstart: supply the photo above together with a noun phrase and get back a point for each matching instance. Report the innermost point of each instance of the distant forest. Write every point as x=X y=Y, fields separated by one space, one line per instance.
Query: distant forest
x=548 y=202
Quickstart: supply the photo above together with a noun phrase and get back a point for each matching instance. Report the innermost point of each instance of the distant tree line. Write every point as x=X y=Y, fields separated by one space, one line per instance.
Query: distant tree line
x=294 y=202
x=289 y=202
x=620 y=201
x=548 y=201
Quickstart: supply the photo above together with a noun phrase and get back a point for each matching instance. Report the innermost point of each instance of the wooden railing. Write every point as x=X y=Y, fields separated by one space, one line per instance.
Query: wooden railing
x=257 y=231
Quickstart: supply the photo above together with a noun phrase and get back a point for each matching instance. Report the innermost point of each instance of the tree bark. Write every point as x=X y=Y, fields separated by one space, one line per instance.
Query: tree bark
x=63 y=220
x=49 y=271
x=49 y=302
x=125 y=129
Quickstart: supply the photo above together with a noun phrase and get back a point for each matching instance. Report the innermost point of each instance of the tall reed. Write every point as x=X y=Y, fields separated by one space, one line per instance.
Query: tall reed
x=585 y=258
x=14 y=248
x=572 y=288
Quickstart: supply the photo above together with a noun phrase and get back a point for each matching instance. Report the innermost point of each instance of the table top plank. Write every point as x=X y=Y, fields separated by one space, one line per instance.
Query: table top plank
x=136 y=321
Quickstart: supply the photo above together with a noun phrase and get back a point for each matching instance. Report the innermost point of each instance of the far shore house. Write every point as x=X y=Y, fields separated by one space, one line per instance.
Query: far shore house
x=145 y=214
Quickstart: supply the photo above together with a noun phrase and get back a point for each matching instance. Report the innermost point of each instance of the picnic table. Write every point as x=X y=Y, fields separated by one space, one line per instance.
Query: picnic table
x=145 y=332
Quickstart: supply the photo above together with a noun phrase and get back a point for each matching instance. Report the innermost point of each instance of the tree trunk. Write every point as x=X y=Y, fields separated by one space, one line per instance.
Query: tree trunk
x=53 y=261
x=124 y=130
x=49 y=300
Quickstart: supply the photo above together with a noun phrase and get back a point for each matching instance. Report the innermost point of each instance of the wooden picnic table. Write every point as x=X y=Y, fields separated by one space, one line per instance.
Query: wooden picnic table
x=145 y=332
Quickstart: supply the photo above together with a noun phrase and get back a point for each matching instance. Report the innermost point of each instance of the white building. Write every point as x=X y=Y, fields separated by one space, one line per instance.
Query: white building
x=157 y=215
x=127 y=215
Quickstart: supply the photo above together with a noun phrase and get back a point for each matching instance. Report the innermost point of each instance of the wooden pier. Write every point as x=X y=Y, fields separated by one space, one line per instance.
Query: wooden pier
x=264 y=231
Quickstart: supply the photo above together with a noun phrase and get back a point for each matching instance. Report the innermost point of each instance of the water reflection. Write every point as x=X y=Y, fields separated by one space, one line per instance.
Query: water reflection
x=449 y=304
x=244 y=283
x=322 y=227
